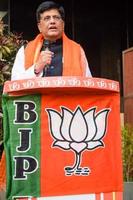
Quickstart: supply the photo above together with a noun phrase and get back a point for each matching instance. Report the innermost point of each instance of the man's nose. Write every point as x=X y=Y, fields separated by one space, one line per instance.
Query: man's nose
x=52 y=19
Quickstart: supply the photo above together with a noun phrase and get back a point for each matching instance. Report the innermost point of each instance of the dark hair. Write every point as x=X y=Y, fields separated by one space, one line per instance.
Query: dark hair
x=48 y=5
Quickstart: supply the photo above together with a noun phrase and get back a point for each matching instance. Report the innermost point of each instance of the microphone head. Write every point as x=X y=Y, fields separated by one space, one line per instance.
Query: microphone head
x=46 y=43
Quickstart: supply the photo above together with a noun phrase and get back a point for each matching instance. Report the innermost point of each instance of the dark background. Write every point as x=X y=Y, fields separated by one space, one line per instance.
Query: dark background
x=104 y=29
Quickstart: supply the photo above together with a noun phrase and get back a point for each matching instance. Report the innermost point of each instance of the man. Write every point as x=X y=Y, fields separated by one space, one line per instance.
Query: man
x=51 y=53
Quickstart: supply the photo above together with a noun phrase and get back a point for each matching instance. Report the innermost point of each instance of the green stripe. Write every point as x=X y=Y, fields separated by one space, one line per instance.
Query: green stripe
x=31 y=186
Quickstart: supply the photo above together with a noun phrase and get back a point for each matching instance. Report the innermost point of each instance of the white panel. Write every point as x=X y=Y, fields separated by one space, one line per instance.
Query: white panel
x=70 y=197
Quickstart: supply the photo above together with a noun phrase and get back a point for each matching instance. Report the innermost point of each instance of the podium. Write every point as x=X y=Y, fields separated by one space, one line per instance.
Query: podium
x=62 y=139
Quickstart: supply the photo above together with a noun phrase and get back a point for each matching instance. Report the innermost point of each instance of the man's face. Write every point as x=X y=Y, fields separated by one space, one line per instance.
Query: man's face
x=51 y=24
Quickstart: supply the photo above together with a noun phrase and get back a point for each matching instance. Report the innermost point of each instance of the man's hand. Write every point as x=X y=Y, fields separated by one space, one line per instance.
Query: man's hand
x=44 y=59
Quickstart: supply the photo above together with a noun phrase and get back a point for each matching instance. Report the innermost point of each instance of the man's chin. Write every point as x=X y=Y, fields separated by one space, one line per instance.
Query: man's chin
x=54 y=35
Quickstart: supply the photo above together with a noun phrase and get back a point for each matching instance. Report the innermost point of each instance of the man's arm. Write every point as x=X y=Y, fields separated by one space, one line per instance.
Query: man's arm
x=18 y=70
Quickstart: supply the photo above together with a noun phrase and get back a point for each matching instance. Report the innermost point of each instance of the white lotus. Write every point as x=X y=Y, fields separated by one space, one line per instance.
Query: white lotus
x=78 y=130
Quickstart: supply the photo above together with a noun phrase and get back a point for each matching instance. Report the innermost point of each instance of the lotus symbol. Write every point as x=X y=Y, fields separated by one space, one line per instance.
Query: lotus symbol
x=78 y=131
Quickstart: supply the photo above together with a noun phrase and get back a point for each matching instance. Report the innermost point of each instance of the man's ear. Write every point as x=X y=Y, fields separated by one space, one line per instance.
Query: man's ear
x=63 y=25
x=38 y=25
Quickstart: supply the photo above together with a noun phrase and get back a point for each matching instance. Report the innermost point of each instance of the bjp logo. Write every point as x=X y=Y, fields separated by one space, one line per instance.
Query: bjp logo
x=78 y=131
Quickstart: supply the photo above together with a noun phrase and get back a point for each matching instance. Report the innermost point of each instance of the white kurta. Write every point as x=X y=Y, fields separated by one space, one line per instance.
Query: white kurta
x=19 y=71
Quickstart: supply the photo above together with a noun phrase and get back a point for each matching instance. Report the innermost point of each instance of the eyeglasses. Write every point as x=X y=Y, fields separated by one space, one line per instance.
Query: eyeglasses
x=48 y=18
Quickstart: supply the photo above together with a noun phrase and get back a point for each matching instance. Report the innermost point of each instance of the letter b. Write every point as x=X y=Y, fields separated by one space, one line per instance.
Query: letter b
x=25 y=112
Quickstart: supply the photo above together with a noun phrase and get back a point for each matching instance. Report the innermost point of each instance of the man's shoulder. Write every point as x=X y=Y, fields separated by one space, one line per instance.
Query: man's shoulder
x=28 y=44
x=69 y=40
x=74 y=42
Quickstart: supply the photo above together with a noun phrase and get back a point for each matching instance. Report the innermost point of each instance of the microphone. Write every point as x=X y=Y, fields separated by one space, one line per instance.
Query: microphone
x=46 y=46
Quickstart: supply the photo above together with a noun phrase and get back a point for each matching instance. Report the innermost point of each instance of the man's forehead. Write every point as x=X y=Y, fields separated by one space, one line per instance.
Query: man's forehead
x=52 y=11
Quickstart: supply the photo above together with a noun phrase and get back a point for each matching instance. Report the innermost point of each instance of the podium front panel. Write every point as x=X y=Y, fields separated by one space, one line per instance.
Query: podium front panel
x=62 y=140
